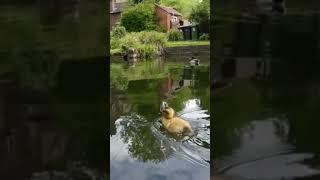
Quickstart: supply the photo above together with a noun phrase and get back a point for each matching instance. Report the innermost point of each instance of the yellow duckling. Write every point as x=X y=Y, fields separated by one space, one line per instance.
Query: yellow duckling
x=174 y=124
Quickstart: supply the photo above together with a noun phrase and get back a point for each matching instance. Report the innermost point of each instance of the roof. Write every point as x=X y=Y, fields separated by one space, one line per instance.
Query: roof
x=169 y=10
x=186 y=23
x=116 y=11
x=118 y=7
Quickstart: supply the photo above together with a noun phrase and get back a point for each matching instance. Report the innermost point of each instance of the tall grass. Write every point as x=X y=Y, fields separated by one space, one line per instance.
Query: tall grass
x=146 y=43
x=175 y=35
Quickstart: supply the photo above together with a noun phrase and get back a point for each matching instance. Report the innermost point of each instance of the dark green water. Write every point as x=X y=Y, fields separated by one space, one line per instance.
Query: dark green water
x=139 y=148
x=267 y=105
x=53 y=117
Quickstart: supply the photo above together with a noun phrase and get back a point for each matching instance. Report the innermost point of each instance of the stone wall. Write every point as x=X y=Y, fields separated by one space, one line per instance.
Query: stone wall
x=188 y=51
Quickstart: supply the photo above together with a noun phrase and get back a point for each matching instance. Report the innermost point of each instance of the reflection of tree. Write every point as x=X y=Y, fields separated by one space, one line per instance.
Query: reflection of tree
x=142 y=142
x=144 y=97
x=234 y=108
x=119 y=106
x=199 y=89
x=202 y=87
x=181 y=96
x=298 y=101
x=293 y=88
x=118 y=78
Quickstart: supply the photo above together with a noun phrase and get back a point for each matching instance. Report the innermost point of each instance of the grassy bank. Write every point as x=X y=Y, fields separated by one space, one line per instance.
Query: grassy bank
x=171 y=44
x=145 y=43
x=187 y=43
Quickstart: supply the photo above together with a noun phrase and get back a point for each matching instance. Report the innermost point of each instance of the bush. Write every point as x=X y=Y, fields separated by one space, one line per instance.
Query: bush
x=146 y=43
x=160 y=29
x=174 y=35
x=129 y=40
x=152 y=37
x=118 y=78
x=139 y=18
x=201 y=15
x=204 y=36
x=114 y=43
x=118 y=32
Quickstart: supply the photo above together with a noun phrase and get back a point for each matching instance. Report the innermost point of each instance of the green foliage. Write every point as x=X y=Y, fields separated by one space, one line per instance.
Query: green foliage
x=128 y=41
x=161 y=29
x=139 y=17
x=174 y=35
x=187 y=43
x=183 y=6
x=118 y=80
x=147 y=43
x=201 y=15
x=204 y=36
x=114 y=43
x=152 y=37
x=118 y=32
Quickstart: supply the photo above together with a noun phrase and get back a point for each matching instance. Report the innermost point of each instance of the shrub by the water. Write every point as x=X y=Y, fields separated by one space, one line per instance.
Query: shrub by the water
x=204 y=36
x=174 y=35
x=114 y=43
x=118 y=32
x=201 y=15
x=139 y=17
x=147 y=43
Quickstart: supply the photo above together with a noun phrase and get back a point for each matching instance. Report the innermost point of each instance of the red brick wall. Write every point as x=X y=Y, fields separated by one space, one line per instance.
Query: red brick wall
x=163 y=18
x=114 y=18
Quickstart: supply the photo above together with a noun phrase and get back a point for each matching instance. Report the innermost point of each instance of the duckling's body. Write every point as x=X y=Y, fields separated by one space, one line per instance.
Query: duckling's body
x=175 y=125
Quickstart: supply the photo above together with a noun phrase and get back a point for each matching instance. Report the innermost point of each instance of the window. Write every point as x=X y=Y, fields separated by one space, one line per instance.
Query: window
x=174 y=19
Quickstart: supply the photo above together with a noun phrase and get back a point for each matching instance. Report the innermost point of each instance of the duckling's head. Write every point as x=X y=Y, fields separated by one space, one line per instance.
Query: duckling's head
x=168 y=113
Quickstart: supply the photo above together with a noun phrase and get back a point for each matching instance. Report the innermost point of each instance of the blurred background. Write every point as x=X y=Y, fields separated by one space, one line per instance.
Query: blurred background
x=265 y=89
x=53 y=89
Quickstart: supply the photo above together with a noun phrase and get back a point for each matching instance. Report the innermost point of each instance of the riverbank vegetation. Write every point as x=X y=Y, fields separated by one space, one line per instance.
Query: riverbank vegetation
x=138 y=32
x=145 y=43
x=187 y=43
x=120 y=76
x=139 y=17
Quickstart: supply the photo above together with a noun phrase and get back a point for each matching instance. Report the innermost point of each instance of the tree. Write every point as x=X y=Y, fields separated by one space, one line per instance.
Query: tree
x=183 y=6
x=139 y=17
x=201 y=15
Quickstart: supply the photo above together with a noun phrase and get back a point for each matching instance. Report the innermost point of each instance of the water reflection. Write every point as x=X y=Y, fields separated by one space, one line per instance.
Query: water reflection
x=138 y=139
x=52 y=114
x=269 y=83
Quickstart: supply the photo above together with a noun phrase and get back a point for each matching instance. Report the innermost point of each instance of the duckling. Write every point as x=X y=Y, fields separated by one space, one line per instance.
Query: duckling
x=174 y=124
x=194 y=62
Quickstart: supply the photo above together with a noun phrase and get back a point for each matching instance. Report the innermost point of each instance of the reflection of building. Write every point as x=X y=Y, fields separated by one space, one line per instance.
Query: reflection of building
x=248 y=43
x=242 y=68
x=170 y=85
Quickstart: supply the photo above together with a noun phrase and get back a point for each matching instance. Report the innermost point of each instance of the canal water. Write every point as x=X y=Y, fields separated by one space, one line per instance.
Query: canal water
x=266 y=95
x=53 y=101
x=139 y=146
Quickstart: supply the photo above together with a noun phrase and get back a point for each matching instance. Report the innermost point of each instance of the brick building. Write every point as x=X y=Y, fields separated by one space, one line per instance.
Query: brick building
x=116 y=7
x=168 y=17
